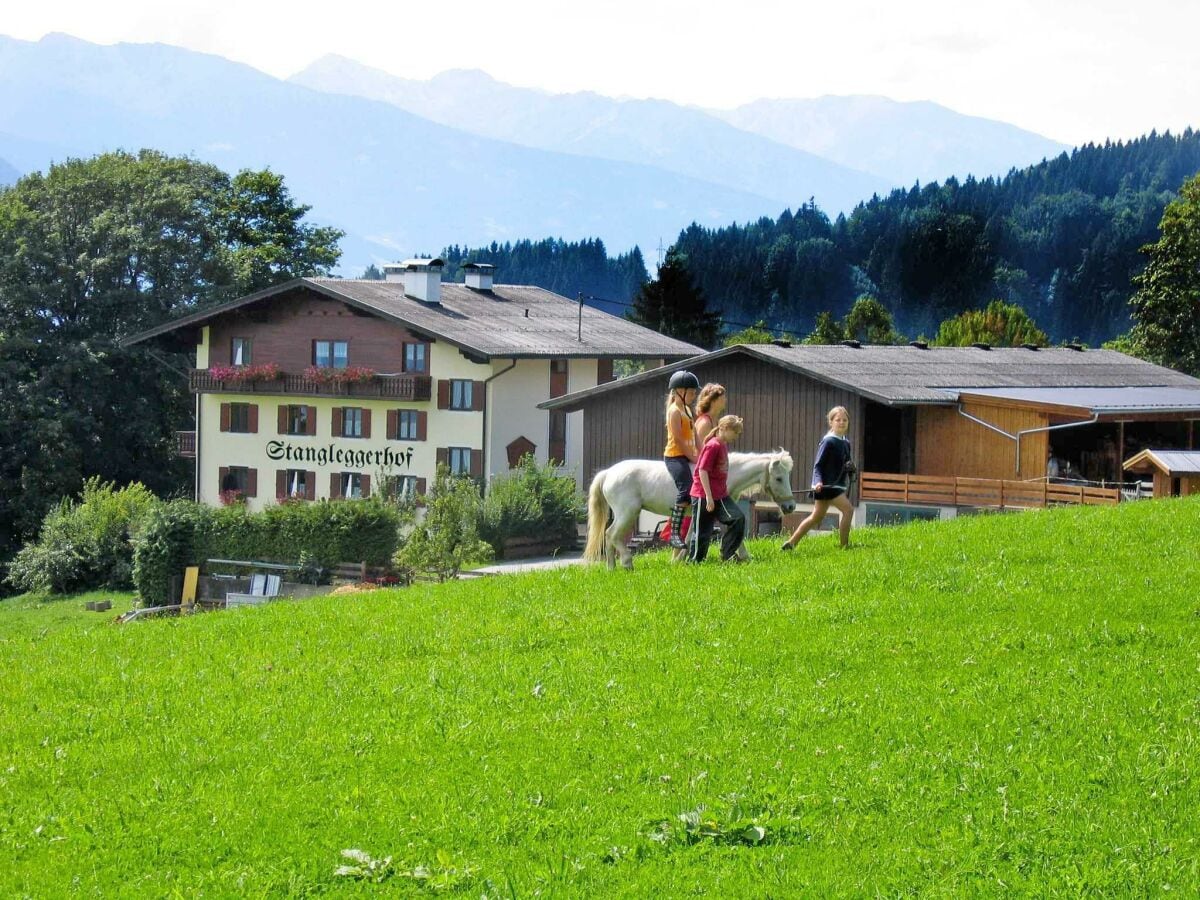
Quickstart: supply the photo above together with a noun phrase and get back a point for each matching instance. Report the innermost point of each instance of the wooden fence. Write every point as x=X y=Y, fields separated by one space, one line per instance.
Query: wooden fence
x=940 y=490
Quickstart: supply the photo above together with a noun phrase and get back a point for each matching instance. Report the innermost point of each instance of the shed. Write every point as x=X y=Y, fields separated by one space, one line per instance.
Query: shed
x=1176 y=472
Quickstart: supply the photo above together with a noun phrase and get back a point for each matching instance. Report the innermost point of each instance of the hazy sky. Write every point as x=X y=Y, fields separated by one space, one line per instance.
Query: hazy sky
x=1074 y=70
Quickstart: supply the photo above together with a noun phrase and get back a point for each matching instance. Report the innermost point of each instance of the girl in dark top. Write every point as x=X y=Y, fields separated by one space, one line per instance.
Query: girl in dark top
x=831 y=479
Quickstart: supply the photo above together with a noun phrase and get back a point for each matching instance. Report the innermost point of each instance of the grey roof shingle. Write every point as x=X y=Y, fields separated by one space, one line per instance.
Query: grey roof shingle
x=509 y=321
x=1105 y=400
x=512 y=320
x=908 y=375
x=1173 y=462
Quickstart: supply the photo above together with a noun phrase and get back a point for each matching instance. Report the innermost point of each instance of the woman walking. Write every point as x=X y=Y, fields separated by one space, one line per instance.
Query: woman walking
x=709 y=407
x=832 y=472
x=680 y=451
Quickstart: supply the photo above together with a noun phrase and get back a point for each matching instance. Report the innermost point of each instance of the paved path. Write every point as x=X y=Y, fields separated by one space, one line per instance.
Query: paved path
x=535 y=564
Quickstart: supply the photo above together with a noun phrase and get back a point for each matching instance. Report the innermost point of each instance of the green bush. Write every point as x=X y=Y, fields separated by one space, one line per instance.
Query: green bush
x=323 y=534
x=85 y=543
x=534 y=501
x=446 y=537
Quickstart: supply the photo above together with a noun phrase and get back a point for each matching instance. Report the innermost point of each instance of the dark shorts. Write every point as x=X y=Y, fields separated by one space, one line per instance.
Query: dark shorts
x=681 y=473
x=828 y=493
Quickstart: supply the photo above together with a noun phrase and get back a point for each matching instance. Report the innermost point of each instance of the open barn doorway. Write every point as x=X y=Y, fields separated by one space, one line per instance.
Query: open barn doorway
x=889 y=438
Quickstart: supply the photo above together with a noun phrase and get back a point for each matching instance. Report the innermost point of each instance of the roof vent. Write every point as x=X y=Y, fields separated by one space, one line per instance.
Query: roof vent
x=1030 y=346
x=854 y=344
x=920 y=345
x=1078 y=348
x=779 y=342
x=393 y=272
x=423 y=279
x=980 y=345
x=478 y=276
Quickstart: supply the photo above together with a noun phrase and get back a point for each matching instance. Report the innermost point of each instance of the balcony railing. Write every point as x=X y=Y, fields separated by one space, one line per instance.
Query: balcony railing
x=414 y=388
x=997 y=493
x=185 y=444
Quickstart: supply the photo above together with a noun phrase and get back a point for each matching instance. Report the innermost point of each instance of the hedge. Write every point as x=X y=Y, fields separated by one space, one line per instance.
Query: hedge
x=183 y=533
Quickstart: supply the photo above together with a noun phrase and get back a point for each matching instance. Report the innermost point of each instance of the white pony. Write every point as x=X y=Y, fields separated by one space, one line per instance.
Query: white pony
x=632 y=485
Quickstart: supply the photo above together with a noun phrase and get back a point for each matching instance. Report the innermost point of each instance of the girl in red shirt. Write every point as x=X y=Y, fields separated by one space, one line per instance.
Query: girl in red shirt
x=710 y=495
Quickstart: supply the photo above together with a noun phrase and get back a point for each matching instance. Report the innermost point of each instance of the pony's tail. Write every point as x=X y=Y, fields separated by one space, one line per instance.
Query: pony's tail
x=597 y=519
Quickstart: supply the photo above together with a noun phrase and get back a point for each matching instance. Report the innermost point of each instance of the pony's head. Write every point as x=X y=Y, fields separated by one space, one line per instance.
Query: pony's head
x=778 y=480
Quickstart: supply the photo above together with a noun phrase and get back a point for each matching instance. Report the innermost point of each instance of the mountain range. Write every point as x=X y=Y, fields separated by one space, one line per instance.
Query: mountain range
x=407 y=167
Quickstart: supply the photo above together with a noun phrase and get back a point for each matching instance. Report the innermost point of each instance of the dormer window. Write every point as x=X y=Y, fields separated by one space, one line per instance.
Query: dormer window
x=239 y=351
x=331 y=354
x=416 y=358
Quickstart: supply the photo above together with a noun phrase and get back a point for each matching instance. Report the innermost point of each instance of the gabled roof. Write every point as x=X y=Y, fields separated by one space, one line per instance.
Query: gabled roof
x=508 y=321
x=907 y=375
x=1172 y=462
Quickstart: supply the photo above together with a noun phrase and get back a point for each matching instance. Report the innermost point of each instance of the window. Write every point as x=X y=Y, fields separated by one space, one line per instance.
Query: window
x=239 y=351
x=415 y=359
x=239 y=418
x=559 y=366
x=296 y=484
x=459 y=459
x=352 y=485
x=408 y=428
x=297 y=420
x=237 y=478
x=331 y=354
x=352 y=421
x=461 y=391
x=558 y=436
x=406 y=485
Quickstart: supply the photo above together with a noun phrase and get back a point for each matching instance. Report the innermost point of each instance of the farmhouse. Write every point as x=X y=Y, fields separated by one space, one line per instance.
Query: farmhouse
x=317 y=387
x=935 y=430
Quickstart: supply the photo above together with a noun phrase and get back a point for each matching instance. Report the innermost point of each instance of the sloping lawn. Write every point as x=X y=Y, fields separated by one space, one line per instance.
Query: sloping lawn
x=998 y=704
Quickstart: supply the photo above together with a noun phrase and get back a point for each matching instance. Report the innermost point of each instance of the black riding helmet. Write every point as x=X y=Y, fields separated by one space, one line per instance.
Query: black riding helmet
x=682 y=380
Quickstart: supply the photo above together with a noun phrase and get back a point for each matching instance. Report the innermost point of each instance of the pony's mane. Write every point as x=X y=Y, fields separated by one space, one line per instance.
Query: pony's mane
x=777 y=454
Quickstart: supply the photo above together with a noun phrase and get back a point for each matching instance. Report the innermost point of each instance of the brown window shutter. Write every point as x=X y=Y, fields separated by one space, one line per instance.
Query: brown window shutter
x=312 y=420
x=478 y=389
x=443 y=456
x=422 y=425
x=280 y=484
x=476 y=463
x=253 y=421
x=366 y=423
x=222 y=474
x=310 y=485
x=335 y=421
x=443 y=393
x=335 y=485
x=225 y=416
x=283 y=417
x=252 y=481
x=393 y=424
x=366 y=485
x=604 y=371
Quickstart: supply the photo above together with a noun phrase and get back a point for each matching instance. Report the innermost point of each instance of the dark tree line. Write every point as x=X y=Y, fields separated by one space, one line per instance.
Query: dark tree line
x=567 y=268
x=1061 y=239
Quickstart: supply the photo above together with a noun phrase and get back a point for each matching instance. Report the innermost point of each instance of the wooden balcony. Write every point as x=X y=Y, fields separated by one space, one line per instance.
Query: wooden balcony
x=995 y=493
x=185 y=444
x=414 y=388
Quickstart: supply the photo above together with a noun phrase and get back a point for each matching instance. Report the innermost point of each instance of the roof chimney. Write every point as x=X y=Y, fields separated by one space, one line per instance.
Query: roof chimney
x=854 y=344
x=423 y=279
x=479 y=275
x=920 y=345
x=393 y=272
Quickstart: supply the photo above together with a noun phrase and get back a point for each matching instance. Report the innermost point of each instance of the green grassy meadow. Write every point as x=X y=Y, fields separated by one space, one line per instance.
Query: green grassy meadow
x=994 y=705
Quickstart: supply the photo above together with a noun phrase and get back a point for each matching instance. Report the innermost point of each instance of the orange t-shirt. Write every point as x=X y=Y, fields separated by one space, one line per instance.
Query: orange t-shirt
x=673 y=448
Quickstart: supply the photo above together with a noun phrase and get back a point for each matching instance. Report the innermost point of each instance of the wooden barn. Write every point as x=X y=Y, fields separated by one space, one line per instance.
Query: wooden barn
x=935 y=429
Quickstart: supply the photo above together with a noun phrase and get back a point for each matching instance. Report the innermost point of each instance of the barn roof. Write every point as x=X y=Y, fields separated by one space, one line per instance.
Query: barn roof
x=507 y=321
x=906 y=375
